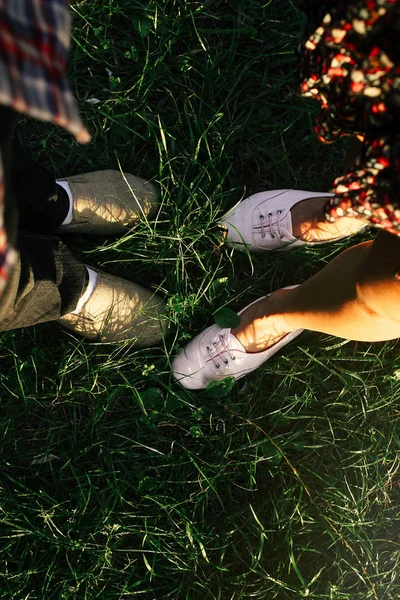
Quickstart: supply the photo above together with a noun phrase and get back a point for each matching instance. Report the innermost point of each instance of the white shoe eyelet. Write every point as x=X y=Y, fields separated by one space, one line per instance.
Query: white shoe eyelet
x=233 y=357
x=263 y=235
x=270 y=214
x=261 y=216
x=273 y=236
x=281 y=237
x=279 y=212
x=217 y=366
x=208 y=348
x=226 y=361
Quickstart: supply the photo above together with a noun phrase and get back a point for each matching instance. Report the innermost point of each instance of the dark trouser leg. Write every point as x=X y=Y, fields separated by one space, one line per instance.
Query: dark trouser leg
x=42 y=204
x=47 y=280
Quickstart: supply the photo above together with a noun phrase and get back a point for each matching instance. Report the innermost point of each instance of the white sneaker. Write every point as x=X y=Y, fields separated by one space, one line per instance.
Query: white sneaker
x=264 y=222
x=216 y=353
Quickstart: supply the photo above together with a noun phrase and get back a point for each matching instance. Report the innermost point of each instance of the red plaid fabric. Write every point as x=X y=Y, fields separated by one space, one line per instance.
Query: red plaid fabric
x=34 y=48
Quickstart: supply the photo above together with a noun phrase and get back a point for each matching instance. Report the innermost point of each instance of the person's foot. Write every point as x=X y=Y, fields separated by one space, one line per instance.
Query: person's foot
x=217 y=353
x=113 y=309
x=106 y=202
x=283 y=219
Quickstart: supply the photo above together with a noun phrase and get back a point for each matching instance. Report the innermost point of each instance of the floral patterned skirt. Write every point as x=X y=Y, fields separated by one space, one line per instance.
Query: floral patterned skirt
x=351 y=65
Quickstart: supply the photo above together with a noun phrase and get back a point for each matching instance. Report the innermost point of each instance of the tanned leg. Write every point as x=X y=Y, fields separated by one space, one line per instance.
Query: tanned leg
x=356 y=296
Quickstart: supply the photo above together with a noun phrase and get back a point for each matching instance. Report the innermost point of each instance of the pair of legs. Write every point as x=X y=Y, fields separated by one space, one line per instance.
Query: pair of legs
x=356 y=296
x=47 y=282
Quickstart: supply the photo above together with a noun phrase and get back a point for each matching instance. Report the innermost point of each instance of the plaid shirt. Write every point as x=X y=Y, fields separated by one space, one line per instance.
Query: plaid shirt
x=34 y=48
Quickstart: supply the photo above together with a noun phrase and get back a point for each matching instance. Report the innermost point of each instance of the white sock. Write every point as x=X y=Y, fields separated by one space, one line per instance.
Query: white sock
x=88 y=292
x=65 y=185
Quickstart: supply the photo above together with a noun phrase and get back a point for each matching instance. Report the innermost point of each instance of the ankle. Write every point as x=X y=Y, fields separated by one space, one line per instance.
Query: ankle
x=307 y=214
x=91 y=286
x=263 y=324
x=63 y=183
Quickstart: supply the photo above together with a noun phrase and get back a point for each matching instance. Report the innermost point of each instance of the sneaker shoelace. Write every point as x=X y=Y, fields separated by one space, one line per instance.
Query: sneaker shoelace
x=219 y=351
x=270 y=226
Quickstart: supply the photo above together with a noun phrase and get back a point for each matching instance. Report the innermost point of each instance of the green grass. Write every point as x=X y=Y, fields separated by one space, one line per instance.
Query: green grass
x=287 y=488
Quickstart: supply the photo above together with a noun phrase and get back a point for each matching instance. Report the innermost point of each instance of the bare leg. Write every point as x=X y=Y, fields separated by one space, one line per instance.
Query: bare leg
x=356 y=296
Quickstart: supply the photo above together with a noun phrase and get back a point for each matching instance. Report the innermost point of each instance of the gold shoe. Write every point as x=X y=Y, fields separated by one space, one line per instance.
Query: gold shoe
x=108 y=202
x=119 y=310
